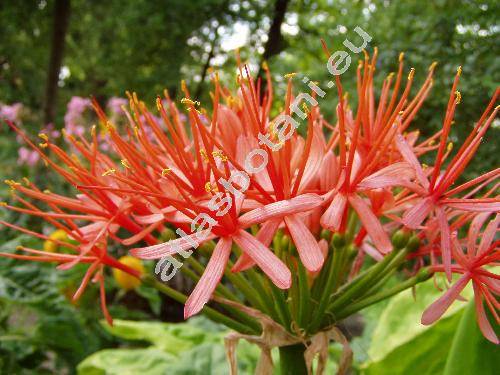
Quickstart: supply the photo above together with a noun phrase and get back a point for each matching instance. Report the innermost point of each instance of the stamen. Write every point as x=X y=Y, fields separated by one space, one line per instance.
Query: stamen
x=204 y=155
x=125 y=163
x=189 y=102
x=219 y=154
x=108 y=172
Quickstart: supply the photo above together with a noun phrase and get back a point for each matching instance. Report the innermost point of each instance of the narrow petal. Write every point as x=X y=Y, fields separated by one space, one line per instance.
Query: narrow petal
x=372 y=224
x=210 y=278
x=482 y=320
x=173 y=246
x=439 y=307
x=474 y=229
x=371 y=251
x=489 y=235
x=307 y=247
x=473 y=205
x=413 y=217
x=445 y=235
x=410 y=157
x=301 y=203
x=401 y=169
x=265 y=236
x=329 y=172
x=332 y=217
x=269 y=263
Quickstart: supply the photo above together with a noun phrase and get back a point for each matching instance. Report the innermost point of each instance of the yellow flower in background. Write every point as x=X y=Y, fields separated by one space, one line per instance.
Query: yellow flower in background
x=123 y=279
x=52 y=246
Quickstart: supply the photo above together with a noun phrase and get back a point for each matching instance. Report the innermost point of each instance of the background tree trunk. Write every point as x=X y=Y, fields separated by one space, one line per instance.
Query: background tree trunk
x=275 y=42
x=60 y=27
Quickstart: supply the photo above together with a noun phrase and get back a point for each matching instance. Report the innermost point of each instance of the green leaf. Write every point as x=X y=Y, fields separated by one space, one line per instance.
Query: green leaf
x=403 y=345
x=149 y=361
x=470 y=352
x=172 y=338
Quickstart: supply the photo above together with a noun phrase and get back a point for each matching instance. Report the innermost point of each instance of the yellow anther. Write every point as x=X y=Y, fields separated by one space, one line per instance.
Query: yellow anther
x=432 y=143
x=165 y=171
x=219 y=154
x=305 y=108
x=204 y=155
x=459 y=70
x=3 y=204
x=449 y=147
x=189 y=102
x=109 y=171
x=412 y=72
x=19 y=248
x=26 y=181
x=109 y=126
x=290 y=75
x=10 y=182
x=425 y=166
x=43 y=145
x=44 y=137
x=197 y=111
x=265 y=66
x=47 y=191
x=158 y=104
x=401 y=56
x=209 y=187
x=433 y=66
x=458 y=97
x=125 y=163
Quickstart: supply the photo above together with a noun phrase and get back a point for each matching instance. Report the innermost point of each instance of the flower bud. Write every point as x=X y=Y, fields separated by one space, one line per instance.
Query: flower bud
x=424 y=274
x=326 y=234
x=167 y=234
x=413 y=244
x=338 y=240
x=400 y=239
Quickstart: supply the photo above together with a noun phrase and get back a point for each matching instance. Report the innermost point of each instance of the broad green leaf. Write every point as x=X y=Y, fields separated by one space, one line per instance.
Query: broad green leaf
x=470 y=352
x=172 y=338
x=400 y=321
x=425 y=354
x=401 y=344
x=149 y=361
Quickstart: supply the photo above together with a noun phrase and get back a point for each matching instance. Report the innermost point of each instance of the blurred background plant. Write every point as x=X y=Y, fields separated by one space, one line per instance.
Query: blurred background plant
x=54 y=54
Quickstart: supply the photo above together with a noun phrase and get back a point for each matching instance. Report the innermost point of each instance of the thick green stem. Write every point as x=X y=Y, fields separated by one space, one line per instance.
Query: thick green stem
x=327 y=291
x=423 y=275
x=292 y=360
x=358 y=286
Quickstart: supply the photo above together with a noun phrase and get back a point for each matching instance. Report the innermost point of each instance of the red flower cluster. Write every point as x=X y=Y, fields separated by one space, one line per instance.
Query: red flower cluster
x=214 y=175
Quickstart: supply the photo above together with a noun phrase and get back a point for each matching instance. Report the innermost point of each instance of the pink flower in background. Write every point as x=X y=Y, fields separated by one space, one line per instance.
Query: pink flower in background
x=115 y=105
x=11 y=112
x=51 y=131
x=72 y=119
x=27 y=156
